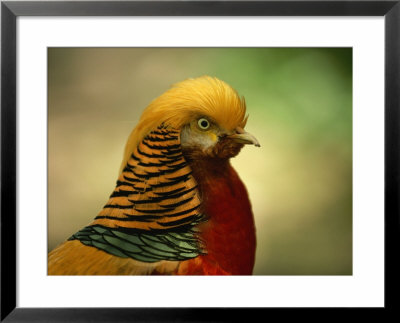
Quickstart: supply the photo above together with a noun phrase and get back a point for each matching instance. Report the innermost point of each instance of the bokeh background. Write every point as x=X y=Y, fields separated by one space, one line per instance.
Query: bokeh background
x=300 y=106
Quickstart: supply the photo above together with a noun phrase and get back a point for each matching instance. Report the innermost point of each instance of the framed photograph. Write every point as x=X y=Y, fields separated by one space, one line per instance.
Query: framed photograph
x=243 y=153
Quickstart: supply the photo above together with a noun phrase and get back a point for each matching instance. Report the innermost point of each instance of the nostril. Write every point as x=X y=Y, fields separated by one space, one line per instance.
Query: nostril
x=239 y=130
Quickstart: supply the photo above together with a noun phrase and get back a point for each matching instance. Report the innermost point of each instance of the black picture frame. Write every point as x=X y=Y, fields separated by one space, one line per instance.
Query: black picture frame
x=11 y=10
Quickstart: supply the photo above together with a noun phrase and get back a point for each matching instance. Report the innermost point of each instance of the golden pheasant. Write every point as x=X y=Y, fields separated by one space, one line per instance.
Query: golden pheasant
x=178 y=206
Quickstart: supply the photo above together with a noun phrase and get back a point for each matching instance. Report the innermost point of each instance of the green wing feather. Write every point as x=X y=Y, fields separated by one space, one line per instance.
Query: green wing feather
x=173 y=246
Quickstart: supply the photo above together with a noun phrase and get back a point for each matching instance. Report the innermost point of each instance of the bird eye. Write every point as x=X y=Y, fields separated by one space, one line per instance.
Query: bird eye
x=203 y=123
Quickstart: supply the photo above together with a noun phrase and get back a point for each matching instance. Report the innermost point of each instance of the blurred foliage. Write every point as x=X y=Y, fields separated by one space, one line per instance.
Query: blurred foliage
x=300 y=106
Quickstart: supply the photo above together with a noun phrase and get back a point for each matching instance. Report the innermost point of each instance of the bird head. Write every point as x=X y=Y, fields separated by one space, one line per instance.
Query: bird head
x=208 y=113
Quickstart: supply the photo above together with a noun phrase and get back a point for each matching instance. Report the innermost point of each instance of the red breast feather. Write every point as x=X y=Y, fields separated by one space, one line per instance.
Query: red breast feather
x=229 y=233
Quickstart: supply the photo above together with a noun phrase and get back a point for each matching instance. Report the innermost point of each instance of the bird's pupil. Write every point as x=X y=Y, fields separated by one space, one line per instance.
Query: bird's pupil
x=204 y=123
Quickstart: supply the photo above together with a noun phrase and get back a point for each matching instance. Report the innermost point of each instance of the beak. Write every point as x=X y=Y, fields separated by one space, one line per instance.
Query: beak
x=244 y=137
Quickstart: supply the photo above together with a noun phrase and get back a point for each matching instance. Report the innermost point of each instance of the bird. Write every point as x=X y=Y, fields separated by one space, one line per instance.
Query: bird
x=178 y=207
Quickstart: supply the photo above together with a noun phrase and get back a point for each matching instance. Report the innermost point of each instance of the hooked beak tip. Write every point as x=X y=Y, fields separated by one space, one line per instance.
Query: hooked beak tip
x=244 y=137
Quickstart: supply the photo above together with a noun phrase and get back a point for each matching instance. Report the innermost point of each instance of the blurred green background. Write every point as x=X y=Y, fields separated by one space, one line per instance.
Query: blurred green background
x=300 y=106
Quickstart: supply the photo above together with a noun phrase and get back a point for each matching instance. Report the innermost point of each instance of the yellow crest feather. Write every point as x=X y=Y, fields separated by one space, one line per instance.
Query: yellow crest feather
x=204 y=96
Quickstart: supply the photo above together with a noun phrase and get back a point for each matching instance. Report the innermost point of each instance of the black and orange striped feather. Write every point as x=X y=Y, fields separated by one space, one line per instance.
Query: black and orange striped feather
x=156 y=189
x=153 y=211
